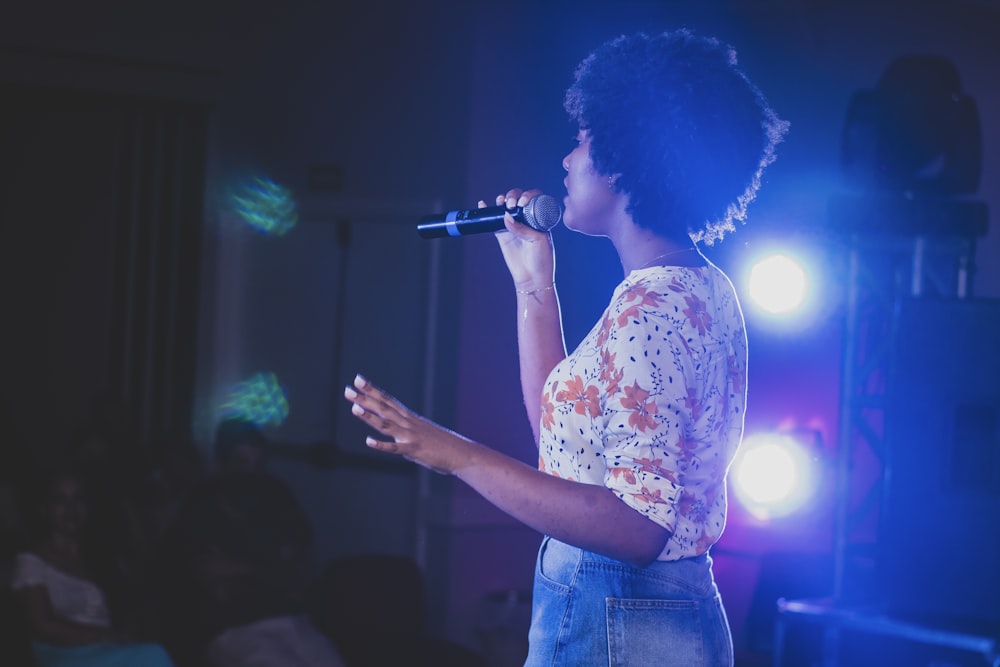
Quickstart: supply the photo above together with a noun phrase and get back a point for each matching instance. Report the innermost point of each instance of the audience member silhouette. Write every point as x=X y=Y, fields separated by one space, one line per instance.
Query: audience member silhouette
x=113 y=464
x=177 y=468
x=238 y=565
x=239 y=447
x=57 y=583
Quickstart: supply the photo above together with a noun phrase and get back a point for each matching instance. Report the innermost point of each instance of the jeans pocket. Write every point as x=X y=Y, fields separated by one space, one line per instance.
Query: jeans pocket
x=666 y=633
x=557 y=566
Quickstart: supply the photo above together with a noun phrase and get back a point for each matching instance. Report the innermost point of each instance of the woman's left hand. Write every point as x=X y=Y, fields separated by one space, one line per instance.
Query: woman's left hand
x=413 y=437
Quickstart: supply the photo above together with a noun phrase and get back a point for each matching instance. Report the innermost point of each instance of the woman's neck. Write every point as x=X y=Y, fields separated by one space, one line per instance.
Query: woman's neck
x=642 y=249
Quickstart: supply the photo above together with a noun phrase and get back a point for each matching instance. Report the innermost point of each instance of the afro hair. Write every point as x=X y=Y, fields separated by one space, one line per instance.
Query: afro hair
x=683 y=128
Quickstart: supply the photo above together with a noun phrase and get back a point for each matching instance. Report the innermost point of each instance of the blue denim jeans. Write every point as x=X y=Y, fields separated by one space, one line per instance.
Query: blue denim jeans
x=590 y=610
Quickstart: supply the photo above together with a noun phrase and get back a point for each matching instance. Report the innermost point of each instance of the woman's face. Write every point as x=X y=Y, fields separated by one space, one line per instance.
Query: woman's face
x=590 y=200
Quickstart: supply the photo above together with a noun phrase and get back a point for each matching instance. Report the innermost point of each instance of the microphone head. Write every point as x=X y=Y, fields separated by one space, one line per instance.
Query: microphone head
x=542 y=212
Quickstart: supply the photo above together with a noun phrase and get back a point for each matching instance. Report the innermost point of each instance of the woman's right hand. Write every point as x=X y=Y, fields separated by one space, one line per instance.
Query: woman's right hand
x=528 y=252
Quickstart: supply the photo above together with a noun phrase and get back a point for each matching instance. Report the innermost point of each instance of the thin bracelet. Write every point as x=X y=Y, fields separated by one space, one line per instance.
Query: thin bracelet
x=536 y=291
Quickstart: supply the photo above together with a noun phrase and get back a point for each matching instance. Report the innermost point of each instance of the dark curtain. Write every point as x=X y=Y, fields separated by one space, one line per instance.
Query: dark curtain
x=101 y=215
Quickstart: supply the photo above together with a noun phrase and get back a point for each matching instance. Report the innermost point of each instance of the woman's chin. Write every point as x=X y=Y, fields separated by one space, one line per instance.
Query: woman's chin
x=571 y=225
x=569 y=220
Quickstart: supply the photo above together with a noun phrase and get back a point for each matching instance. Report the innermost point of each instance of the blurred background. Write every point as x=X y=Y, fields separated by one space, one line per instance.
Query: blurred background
x=209 y=210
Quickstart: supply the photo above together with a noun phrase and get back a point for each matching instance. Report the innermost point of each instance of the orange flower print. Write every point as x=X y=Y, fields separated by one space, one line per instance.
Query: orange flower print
x=693 y=507
x=655 y=467
x=608 y=374
x=694 y=404
x=627 y=473
x=605 y=333
x=688 y=447
x=585 y=399
x=642 y=410
x=607 y=365
x=614 y=386
x=627 y=314
x=649 y=497
x=541 y=466
x=705 y=542
x=645 y=299
x=697 y=315
x=548 y=412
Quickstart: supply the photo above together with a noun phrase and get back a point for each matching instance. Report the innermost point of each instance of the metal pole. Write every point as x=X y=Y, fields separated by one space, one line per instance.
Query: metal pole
x=846 y=430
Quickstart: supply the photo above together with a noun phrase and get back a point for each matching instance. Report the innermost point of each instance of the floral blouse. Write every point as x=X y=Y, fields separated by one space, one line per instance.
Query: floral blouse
x=650 y=404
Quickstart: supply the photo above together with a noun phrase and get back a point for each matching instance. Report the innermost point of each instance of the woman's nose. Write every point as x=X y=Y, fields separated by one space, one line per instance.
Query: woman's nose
x=565 y=163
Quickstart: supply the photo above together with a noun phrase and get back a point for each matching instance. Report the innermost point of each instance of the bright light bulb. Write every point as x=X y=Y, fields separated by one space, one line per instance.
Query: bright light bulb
x=767 y=474
x=778 y=284
x=773 y=475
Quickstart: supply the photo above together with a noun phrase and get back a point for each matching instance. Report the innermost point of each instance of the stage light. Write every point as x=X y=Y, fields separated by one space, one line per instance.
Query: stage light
x=788 y=284
x=778 y=284
x=260 y=399
x=264 y=205
x=774 y=474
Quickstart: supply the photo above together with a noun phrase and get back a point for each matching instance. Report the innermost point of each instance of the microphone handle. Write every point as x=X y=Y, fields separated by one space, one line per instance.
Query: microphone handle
x=471 y=221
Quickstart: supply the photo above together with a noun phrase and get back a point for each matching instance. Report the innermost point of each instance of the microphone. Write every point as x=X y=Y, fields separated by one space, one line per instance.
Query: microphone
x=542 y=212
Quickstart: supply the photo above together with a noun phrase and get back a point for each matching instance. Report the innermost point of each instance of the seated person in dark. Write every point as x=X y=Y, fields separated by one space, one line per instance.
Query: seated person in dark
x=66 y=608
x=238 y=568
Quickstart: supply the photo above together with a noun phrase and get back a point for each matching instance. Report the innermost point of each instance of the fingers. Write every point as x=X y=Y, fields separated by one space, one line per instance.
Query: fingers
x=375 y=407
x=383 y=413
x=515 y=197
x=369 y=416
x=527 y=196
x=407 y=434
x=517 y=230
x=382 y=445
x=388 y=402
x=510 y=200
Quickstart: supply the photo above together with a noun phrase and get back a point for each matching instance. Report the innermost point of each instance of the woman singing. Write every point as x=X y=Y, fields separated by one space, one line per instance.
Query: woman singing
x=636 y=427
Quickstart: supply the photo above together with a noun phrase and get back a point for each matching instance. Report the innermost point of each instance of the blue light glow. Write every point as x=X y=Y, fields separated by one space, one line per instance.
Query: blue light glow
x=261 y=400
x=265 y=206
